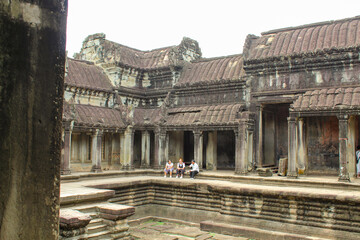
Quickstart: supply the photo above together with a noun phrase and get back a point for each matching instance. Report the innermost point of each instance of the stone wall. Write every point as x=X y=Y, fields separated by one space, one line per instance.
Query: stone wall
x=258 y=205
x=312 y=78
x=32 y=63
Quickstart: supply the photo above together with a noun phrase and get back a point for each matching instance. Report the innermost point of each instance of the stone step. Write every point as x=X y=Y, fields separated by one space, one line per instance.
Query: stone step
x=252 y=232
x=95 y=222
x=97 y=228
x=99 y=235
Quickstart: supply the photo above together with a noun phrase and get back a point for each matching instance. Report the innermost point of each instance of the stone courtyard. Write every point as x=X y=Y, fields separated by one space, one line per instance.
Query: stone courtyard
x=289 y=102
x=151 y=229
x=213 y=205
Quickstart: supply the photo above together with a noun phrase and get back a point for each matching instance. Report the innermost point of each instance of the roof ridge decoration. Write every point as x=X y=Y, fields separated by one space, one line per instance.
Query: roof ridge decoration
x=96 y=48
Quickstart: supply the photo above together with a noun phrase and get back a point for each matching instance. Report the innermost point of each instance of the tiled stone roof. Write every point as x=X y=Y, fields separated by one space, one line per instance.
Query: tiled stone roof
x=145 y=117
x=212 y=70
x=339 y=34
x=225 y=114
x=86 y=75
x=157 y=58
x=93 y=116
x=328 y=99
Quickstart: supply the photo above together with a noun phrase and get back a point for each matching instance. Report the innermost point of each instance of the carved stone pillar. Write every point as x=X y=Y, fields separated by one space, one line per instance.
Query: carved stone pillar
x=145 y=149
x=260 y=147
x=167 y=142
x=292 y=148
x=129 y=148
x=302 y=153
x=122 y=149
x=198 y=148
x=96 y=150
x=160 y=145
x=241 y=161
x=351 y=146
x=65 y=164
x=343 y=140
x=211 y=151
x=114 y=147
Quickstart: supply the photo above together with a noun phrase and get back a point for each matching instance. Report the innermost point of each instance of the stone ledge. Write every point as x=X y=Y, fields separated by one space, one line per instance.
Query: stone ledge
x=114 y=212
x=72 y=219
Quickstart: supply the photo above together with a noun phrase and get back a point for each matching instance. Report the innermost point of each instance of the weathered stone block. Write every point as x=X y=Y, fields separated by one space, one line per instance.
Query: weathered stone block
x=72 y=219
x=115 y=211
x=283 y=164
x=264 y=172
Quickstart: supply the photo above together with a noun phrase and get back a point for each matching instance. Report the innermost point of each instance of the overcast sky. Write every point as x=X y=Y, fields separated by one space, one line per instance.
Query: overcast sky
x=219 y=26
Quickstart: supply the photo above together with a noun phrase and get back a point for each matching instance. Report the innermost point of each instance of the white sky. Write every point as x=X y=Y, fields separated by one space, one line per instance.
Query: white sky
x=219 y=26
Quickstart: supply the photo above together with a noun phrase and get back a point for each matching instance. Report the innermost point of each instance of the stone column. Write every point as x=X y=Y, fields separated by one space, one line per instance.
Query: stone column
x=114 y=148
x=343 y=140
x=260 y=147
x=122 y=150
x=129 y=148
x=160 y=145
x=351 y=146
x=211 y=151
x=167 y=141
x=241 y=160
x=145 y=149
x=292 y=148
x=302 y=153
x=198 y=147
x=96 y=150
x=65 y=164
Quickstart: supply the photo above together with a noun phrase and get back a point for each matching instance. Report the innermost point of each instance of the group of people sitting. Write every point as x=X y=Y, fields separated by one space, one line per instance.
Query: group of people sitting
x=180 y=170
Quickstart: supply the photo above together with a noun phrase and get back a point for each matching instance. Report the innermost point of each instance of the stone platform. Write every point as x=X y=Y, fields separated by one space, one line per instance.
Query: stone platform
x=318 y=207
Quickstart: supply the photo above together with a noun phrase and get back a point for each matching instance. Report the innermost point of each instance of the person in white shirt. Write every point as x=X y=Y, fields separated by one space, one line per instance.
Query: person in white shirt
x=194 y=169
x=169 y=167
x=180 y=169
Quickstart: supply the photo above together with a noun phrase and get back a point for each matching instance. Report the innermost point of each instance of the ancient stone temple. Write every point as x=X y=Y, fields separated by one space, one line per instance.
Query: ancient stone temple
x=292 y=94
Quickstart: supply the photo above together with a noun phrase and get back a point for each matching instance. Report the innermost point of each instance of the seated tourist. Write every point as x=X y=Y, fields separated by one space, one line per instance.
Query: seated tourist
x=169 y=167
x=194 y=169
x=180 y=169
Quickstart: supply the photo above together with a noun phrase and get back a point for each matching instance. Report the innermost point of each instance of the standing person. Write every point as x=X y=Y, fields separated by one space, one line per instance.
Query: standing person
x=169 y=167
x=180 y=169
x=194 y=169
x=357 y=154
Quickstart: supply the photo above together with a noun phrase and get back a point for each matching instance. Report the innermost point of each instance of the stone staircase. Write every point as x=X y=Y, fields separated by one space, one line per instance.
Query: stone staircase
x=96 y=228
x=99 y=227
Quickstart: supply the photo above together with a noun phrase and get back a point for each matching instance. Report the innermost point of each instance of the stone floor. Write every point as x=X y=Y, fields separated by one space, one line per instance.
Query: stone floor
x=162 y=230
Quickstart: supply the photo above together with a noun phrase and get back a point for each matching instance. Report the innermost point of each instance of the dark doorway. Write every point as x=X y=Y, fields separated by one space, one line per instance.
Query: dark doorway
x=275 y=133
x=188 y=147
x=137 y=149
x=225 y=150
x=152 y=147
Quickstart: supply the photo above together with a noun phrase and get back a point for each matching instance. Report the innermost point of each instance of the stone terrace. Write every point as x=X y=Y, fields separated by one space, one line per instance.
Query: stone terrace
x=307 y=207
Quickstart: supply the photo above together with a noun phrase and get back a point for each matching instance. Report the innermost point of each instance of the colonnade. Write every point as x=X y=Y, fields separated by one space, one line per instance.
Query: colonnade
x=243 y=149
